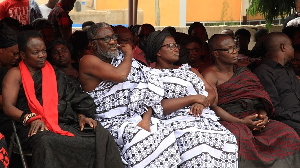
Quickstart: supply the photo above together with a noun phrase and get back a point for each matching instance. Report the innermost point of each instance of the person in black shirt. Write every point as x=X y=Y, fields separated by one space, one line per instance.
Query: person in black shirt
x=279 y=79
x=294 y=15
x=9 y=55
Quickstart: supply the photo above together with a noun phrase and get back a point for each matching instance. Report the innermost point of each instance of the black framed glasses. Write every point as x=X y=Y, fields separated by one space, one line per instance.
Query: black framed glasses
x=230 y=50
x=172 y=46
x=107 y=39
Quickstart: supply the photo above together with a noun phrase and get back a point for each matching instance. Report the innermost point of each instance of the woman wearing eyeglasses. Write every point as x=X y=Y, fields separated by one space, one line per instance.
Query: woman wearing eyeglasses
x=202 y=141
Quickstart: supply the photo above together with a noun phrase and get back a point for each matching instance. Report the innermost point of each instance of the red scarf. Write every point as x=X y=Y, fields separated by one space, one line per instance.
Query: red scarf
x=49 y=110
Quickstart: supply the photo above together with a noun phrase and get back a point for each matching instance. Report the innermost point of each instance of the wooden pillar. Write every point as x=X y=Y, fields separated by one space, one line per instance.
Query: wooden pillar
x=132 y=12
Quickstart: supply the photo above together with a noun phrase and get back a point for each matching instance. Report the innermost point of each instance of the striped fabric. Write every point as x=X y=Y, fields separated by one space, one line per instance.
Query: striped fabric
x=202 y=141
x=276 y=145
x=119 y=109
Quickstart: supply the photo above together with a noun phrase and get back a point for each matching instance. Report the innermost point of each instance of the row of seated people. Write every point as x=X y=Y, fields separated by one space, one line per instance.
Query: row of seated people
x=158 y=117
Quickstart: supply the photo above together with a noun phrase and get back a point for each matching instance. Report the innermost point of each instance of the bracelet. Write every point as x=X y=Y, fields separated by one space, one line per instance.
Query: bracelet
x=33 y=118
x=22 y=117
x=28 y=117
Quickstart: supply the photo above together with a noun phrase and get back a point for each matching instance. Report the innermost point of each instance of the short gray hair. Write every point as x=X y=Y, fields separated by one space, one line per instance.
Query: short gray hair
x=92 y=32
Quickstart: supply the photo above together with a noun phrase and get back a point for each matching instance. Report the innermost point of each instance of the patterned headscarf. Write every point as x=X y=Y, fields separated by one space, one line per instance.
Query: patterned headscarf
x=154 y=42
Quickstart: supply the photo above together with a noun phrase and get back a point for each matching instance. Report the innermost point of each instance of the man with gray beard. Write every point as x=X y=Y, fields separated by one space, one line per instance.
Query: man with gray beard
x=126 y=96
x=95 y=68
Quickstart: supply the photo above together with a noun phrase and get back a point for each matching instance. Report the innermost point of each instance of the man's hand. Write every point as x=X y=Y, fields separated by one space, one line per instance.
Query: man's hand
x=35 y=126
x=265 y=120
x=85 y=120
x=253 y=125
x=145 y=125
x=126 y=49
x=196 y=109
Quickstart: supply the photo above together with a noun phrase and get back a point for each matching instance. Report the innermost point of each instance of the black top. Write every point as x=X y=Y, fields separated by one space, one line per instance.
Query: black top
x=289 y=18
x=71 y=100
x=283 y=87
x=5 y=123
x=3 y=72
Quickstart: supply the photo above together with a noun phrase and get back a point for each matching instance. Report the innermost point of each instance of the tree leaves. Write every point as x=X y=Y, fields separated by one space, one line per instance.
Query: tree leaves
x=271 y=9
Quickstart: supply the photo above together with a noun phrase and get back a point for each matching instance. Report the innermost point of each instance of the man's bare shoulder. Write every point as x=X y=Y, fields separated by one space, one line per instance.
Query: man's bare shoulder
x=13 y=74
x=210 y=71
x=89 y=57
x=14 y=71
x=210 y=75
x=89 y=61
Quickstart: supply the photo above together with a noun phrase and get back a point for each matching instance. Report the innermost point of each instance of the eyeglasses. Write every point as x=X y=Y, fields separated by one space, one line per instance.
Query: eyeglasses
x=107 y=39
x=230 y=50
x=172 y=46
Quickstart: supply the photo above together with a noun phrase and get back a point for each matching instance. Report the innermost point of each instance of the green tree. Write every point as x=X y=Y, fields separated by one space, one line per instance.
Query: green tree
x=271 y=9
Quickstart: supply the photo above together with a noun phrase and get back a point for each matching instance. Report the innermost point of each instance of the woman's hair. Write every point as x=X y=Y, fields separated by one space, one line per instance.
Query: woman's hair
x=192 y=39
x=243 y=32
x=25 y=36
x=193 y=26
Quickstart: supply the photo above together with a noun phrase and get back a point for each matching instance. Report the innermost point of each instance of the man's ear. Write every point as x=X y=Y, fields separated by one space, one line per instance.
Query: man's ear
x=158 y=53
x=1 y=50
x=215 y=54
x=282 y=47
x=94 y=44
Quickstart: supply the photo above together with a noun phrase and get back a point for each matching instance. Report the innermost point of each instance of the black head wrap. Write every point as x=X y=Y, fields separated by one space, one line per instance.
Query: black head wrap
x=154 y=43
x=54 y=43
x=8 y=36
x=60 y=41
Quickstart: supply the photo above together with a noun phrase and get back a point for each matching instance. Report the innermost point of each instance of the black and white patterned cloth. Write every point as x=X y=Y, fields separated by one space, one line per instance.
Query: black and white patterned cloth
x=119 y=109
x=202 y=141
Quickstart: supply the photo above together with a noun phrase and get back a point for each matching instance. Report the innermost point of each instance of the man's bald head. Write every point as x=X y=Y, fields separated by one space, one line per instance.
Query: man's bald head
x=121 y=29
x=124 y=35
x=215 y=41
x=273 y=41
x=279 y=47
x=228 y=32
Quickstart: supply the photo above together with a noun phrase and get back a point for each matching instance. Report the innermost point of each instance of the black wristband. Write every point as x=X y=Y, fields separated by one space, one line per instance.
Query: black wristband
x=22 y=117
